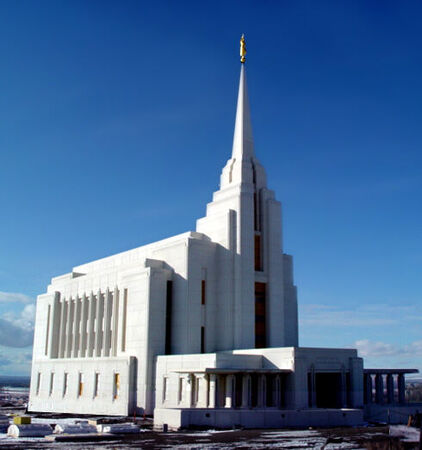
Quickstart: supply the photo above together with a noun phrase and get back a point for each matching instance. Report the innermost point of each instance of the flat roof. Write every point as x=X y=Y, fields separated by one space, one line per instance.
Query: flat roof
x=226 y=371
x=390 y=371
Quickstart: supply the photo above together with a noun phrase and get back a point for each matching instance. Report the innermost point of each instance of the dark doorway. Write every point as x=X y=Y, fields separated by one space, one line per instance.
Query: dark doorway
x=328 y=390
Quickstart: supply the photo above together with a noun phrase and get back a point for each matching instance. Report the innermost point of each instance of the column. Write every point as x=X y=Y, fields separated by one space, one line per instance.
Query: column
x=379 y=389
x=76 y=328
x=401 y=388
x=54 y=337
x=84 y=319
x=63 y=316
x=188 y=392
x=343 y=389
x=121 y=320
x=262 y=391
x=99 y=324
x=367 y=378
x=91 y=325
x=213 y=391
x=202 y=390
x=115 y=321
x=69 y=340
x=229 y=391
x=107 y=323
x=390 y=388
x=277 y=391
x=246 y=391
x=312 y=393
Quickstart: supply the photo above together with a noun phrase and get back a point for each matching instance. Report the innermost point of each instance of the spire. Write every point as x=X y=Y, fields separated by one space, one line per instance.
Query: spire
x=242 y=140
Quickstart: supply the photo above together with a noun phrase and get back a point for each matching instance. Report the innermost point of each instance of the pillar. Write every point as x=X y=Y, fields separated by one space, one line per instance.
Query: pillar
x=115 y=322
x=262 y=391
x=379 y=388
x=91 y=325
x=99 y=324
x=54 y=338
x=213 y=390
x=105 y=351
x=188 y=392
x=76 y=328
x=246 y=391
x=63 y=316
x=70 y=314
x=343 y=389
x=230 y=380
x=368 y=388
x=401 y=388
x=202 y=390
x=311 y=387
x=121 y=320
x=390 y=388
x=277 y=391
x=84 y=319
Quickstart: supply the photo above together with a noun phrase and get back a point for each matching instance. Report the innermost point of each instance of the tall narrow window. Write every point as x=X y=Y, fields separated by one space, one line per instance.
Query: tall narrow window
x=203 y=292
x=258 y=253
x=80 y=384
x=48 y=329
x=116 y=386
x=169 y=306
x=202 y=339
x=51 y=383
x=65 y=383
x=165 y=389
x=260 y=316
x=180 y=393
x=96 y=383
x=38 y=383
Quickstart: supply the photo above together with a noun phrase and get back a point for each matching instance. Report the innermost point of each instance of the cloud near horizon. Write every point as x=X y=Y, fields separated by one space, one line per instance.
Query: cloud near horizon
x=368 y=348
x=17 y=328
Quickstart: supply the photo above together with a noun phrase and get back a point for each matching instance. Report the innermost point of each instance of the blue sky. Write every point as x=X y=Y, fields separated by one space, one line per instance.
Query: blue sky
x=117 y=117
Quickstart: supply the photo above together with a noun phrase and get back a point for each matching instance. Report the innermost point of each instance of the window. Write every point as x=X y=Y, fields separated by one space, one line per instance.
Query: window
x=65 y=382
x=258 y=253
x=80 y=384
x=51 y=383
x=203 y=292
x=180 y=390
x=96 y=383
x=169 y=300
x=125 y=294
x=260 y=316
x=164 y=389
x=116 y=385
x=38 y=383
x=202 y=339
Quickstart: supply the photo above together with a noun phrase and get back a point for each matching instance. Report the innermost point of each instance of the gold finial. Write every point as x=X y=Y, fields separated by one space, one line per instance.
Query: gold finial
x=242 y=49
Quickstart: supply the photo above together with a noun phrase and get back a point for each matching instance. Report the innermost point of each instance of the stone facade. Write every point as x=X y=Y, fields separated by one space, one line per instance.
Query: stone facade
x=219 y=301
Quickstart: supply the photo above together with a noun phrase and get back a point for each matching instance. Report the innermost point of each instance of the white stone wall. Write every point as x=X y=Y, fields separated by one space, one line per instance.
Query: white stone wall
x=105 y=400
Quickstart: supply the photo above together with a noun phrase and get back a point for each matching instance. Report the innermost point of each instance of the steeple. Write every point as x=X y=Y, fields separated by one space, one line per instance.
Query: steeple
x=243 y=140
x=243 y=167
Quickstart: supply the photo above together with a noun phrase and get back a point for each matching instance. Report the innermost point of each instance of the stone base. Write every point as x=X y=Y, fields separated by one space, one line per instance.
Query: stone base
x=394 y=414
x=176 y=419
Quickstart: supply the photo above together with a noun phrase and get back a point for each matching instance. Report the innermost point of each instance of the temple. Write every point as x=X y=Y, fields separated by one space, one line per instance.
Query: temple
x=200 y=328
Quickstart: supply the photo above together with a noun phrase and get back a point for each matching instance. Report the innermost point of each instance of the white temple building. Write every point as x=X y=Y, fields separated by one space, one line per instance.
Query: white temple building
x=200 y=328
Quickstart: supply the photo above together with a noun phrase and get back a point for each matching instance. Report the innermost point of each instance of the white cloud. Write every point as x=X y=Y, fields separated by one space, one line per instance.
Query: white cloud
x=361 y=316
x=17 y=329
x=14 y=297
x=367 y=348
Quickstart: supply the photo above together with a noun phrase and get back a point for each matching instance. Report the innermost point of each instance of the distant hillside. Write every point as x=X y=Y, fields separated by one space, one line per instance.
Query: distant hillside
x=6 y=381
